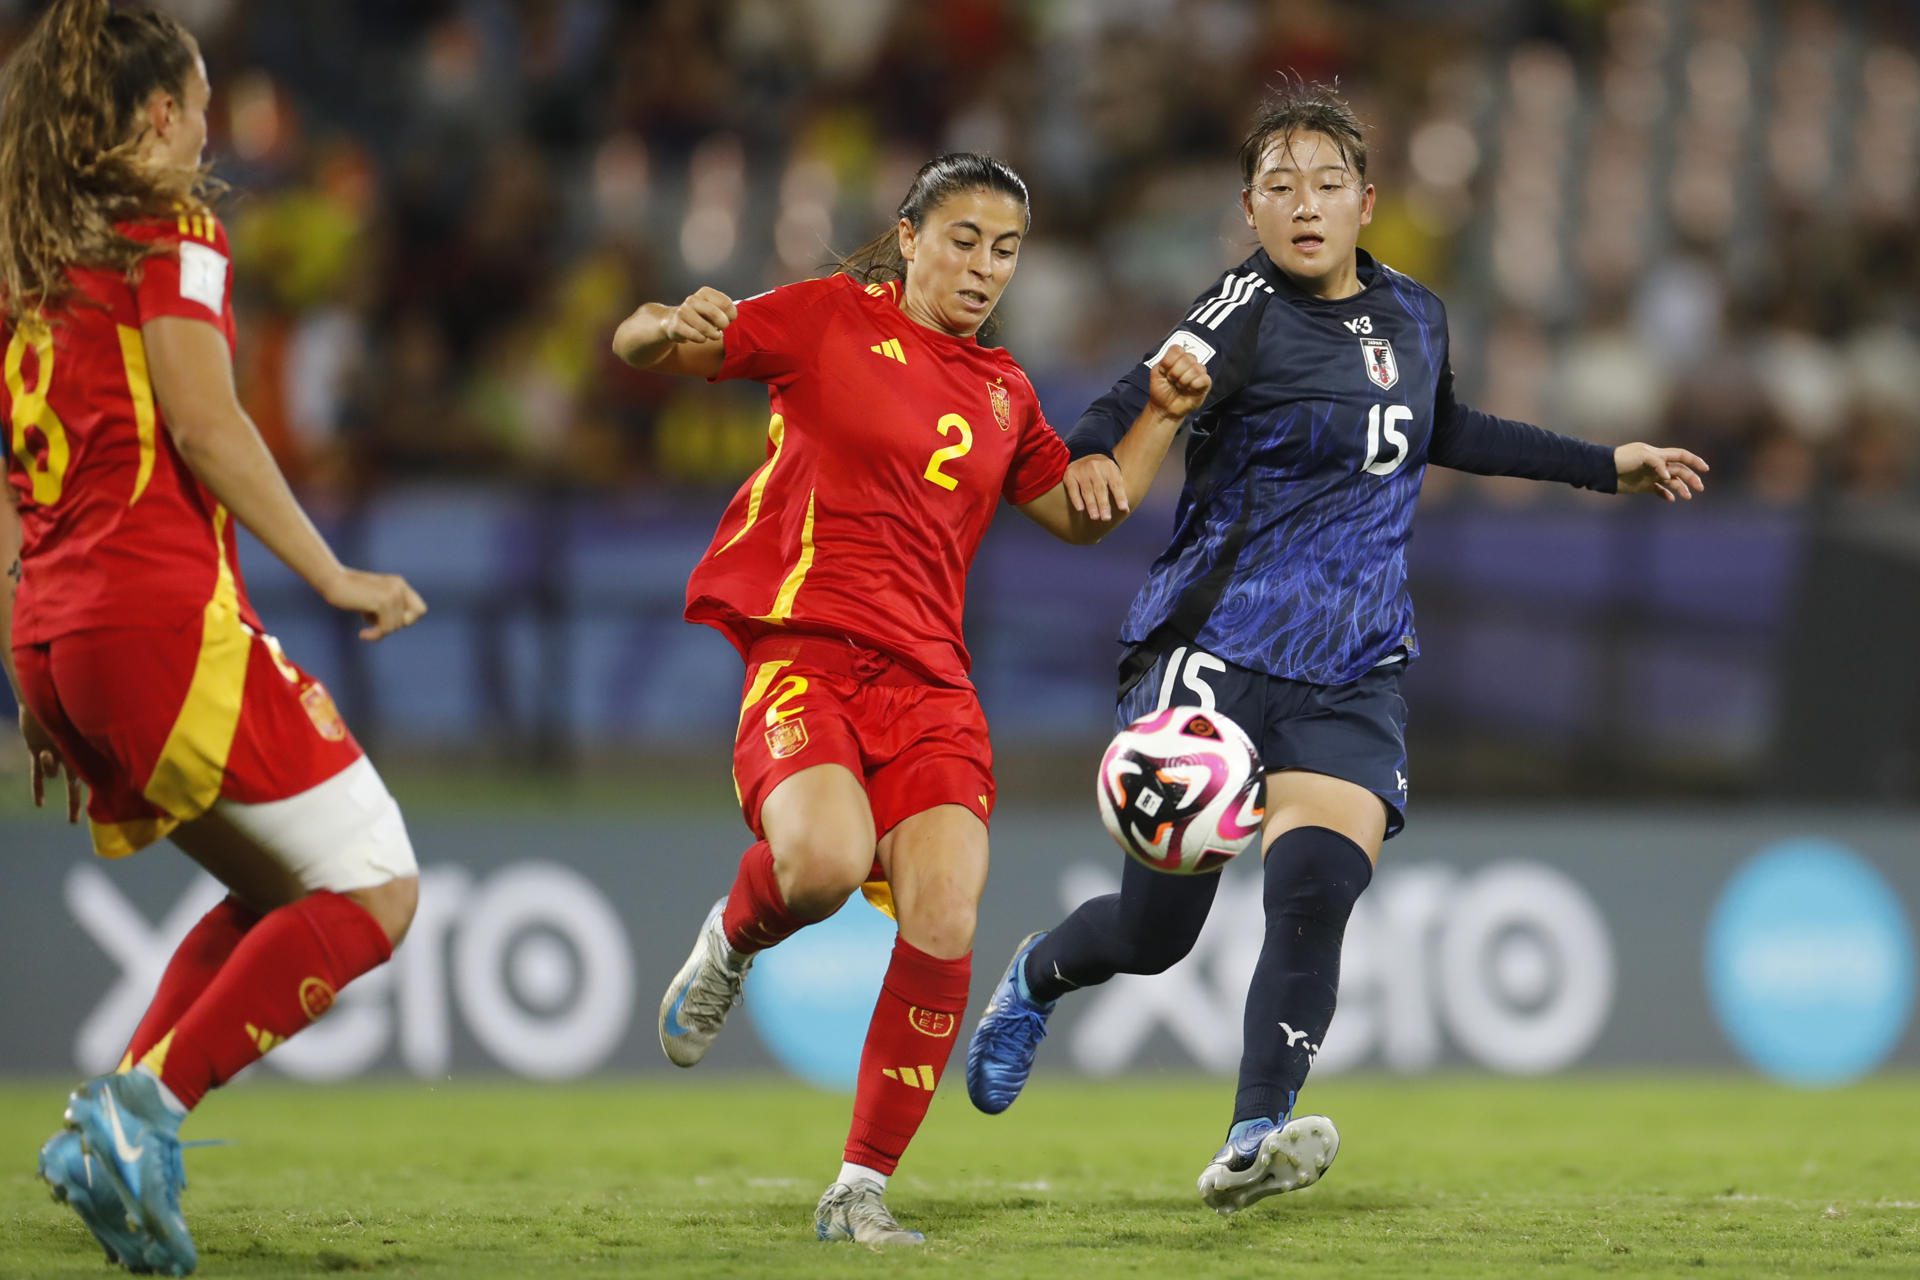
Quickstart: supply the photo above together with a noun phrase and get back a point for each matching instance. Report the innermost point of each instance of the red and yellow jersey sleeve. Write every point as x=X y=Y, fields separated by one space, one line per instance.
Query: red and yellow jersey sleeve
x=192 y=280
x=772 y=335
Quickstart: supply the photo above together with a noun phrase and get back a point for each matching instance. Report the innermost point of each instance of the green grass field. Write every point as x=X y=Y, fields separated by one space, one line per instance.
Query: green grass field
x=716 y=1177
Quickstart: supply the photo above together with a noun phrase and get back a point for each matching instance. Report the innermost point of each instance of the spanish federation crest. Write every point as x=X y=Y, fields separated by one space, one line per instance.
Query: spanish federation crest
x=1381 y=369
x=1002 y=405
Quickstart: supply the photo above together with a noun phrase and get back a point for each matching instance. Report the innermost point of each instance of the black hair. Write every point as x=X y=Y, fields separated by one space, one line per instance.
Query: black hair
x=1297 y=106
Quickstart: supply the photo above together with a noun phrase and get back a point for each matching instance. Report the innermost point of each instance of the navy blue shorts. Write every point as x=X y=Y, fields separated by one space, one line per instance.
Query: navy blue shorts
x=1356 y=732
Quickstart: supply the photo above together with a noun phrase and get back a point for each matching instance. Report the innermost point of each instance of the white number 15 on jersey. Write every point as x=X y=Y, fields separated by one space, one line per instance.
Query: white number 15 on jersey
x=1376 y=428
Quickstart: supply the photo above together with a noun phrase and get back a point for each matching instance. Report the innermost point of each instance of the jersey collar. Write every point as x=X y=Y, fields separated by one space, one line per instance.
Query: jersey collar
x=1365 y=266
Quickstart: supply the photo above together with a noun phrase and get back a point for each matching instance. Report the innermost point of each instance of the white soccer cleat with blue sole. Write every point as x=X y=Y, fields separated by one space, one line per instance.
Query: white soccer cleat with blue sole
x=702 y=993
x=1267 y=1162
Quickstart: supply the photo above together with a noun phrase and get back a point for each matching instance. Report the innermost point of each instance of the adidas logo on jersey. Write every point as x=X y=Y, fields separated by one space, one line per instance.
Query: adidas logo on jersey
x=890 y=349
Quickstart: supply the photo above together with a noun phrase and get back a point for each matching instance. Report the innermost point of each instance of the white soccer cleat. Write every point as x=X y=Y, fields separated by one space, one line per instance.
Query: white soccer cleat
x=702 y=993
x=856 y=1211
x=1267 y=1162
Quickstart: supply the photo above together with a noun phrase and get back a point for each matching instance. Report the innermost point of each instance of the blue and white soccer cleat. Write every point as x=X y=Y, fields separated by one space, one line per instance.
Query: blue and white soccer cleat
x=80 y=1183
x=1267 y=1160
x=1000 y=1055
x=134 y=1141
x=702 y=993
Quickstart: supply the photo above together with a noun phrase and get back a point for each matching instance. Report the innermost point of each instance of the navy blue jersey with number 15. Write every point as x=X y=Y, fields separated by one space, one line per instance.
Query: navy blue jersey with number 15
x=1289 y=543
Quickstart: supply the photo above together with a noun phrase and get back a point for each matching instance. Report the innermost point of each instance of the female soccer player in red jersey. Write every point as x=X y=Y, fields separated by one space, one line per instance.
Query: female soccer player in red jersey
x=839 y=572
x=139 y=666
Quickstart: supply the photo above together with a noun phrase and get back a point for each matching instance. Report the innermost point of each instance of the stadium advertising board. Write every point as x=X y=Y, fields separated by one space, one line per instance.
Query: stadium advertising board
x=1516 y=944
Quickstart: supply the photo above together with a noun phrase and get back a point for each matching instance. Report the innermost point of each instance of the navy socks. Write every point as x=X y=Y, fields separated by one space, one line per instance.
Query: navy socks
x=1313 y=877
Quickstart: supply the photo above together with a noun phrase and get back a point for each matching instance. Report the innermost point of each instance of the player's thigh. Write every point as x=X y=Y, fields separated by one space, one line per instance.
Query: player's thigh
x=1299 y=798
x=1337 y=757
x=936 y=867
x=798 y=766
x=819 y=826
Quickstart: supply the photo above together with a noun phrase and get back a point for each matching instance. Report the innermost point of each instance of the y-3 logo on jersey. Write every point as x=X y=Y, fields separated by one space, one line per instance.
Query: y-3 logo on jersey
x=1361 y=324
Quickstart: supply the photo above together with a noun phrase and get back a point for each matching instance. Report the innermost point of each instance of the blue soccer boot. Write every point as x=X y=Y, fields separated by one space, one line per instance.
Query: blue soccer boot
x=134 y=1140
x=1000 y=1055
x=80 y=1183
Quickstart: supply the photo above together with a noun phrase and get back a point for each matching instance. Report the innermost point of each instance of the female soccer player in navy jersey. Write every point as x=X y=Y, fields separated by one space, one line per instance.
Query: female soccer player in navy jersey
x=839 y=573
x=1282 y=601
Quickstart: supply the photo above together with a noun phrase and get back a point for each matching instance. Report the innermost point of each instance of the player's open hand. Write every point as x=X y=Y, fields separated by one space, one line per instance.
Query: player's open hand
x=1179 y=383
x=1671 y=473
x=383 y=600
x=44 y=762
x=703 y=317
x=1096 y=488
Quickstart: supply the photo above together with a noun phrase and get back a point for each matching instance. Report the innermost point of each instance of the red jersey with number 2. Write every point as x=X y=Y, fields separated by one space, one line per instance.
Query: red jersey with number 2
x=118 y=532
x=889 y=448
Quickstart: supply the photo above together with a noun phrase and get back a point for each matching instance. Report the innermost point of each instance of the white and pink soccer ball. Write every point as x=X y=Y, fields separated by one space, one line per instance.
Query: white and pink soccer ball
x=1182 y=790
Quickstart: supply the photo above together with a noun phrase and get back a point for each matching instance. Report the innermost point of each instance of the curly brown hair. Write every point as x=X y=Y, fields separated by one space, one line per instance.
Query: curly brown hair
x=69 y=141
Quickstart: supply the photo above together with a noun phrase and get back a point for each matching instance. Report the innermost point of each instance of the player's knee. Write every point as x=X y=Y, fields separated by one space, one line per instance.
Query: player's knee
x=819 y=869
x=1159 y=951
x=392 y=905
x=939 y=923
x=1314 y=872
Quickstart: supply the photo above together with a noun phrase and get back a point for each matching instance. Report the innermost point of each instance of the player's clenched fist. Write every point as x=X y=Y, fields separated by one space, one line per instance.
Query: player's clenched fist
x=1179 y=383
x=701 y=318
x=682 y=339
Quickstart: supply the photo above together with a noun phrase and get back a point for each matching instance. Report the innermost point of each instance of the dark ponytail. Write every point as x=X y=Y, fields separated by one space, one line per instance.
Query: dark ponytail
x=944 y=176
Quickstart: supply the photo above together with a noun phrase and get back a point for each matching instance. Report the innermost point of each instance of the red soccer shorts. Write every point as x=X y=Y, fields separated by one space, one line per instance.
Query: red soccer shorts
x=812 y=700
x=160 y=723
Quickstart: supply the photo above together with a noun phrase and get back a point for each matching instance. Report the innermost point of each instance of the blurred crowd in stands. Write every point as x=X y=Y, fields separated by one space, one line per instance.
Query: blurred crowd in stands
x=1692 y=221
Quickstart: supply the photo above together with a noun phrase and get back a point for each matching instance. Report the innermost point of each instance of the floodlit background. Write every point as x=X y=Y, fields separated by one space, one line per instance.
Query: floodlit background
x=1663 y=759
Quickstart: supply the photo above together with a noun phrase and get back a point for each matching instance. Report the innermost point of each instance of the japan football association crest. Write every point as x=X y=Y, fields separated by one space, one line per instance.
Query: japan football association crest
x=1002 y=404
x=1381 y=369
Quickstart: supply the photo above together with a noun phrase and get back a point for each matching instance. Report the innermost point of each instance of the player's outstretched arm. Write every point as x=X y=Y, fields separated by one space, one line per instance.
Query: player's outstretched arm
x=1099 y=492
x=1671 y=473
x=192 y=372
x=683 y=339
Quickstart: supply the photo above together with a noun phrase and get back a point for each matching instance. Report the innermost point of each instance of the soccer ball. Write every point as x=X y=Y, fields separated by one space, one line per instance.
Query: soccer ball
x=1182 y=790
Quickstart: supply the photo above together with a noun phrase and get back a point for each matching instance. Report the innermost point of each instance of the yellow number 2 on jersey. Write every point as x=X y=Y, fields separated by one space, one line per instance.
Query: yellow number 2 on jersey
x=951 y=452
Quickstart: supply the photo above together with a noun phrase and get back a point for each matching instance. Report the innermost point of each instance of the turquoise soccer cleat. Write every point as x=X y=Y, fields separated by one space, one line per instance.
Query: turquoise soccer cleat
x=80 y=1183
x=134 y=1141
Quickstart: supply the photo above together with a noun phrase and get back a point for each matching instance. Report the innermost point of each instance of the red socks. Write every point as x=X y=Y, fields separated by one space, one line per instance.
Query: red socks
x=283 y=974
x=756 y=916
x=195 y=962
x=915 y=1025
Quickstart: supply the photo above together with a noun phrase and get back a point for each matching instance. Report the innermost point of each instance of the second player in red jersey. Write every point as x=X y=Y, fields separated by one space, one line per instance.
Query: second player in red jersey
x=125 y=630
x=839 y=573
x=890 y=444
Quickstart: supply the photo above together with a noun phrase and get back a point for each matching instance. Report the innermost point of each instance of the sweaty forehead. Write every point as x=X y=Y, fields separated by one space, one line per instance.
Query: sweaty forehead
x=1304 y=152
